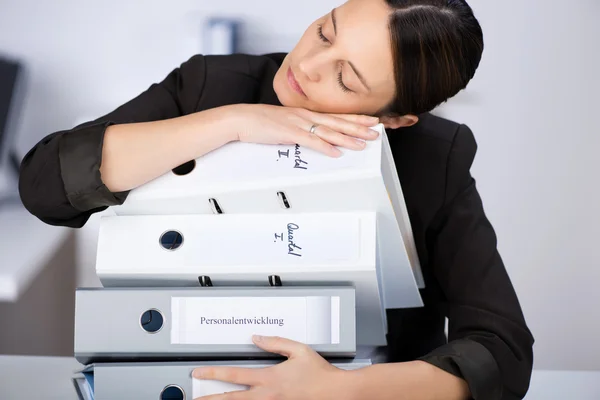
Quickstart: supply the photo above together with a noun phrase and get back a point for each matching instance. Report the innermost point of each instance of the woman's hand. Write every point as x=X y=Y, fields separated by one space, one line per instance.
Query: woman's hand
x=261 y=123
x=305 y=375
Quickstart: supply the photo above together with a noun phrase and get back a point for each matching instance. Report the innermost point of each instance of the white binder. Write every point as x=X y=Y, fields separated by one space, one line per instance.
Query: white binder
x=305 y=249
x=162 y=381
x=243 y=178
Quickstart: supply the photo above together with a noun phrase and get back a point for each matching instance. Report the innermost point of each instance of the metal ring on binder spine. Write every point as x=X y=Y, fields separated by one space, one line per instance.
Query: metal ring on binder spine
x=143 y=323
x=173 y=243
x=283 y=200
x=275 y=280
x=214 y=205
x=180 y=395
x=205 y=281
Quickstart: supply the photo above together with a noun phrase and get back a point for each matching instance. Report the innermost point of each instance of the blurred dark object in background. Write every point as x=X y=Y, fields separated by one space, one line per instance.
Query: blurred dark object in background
x=221 y=35
x=11 y=108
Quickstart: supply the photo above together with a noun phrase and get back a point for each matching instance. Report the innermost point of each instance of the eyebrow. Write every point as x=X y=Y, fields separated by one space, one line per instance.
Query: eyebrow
x=334 y=21
x=360 y=76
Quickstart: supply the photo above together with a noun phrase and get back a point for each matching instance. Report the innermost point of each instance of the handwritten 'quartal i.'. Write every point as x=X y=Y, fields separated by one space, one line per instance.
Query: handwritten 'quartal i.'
x=298 y=161
x=293 y=247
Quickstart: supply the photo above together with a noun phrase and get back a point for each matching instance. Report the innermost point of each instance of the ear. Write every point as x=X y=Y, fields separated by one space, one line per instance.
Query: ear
x=395 y=122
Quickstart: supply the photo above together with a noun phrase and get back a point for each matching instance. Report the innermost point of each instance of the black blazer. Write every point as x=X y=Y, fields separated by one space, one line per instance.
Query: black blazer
x=489 y=343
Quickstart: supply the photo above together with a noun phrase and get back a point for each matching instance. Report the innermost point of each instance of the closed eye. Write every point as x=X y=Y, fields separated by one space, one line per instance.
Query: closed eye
x=341 y=83
x=339 y=77
x=320 y=33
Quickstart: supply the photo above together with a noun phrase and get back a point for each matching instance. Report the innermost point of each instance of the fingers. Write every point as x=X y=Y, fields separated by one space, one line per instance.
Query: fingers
x=237 y=375
x=365 y=120
x=233 y=395
x=314 y=142
x=275 y=344
x=349 y=124
x=339 y=139
x=346 y=125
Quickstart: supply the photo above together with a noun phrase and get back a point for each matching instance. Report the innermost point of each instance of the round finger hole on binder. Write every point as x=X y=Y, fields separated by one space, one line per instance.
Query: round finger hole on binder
x=151 y=321
x=172 y=392
x=185 y=169
x=171 y=240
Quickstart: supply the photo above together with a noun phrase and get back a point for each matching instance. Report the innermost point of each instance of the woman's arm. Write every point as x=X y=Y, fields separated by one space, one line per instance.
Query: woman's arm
x=489 y=343
x=70 y=175
x=305 y=375
x=134 y=154
x=60 y=177
x=489 y=351
x=415 y=380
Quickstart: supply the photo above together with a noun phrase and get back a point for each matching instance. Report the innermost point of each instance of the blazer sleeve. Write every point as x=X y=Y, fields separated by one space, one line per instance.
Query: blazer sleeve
x=489 y=343
x=60 y=180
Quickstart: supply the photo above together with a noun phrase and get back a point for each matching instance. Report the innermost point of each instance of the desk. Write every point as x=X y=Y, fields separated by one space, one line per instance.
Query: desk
x=28 y=377
x=54 y=374
x=26 y=244
x=564 y=385
x=37 y=285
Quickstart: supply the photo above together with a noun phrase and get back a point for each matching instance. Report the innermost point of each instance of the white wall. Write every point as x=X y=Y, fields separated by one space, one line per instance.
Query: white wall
x=87 y=57
x=533 y=110
x=530 y=106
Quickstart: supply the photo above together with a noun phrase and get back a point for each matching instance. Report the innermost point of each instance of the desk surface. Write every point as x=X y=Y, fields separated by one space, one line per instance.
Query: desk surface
x=26 y=244
x=17 y=373
x=49 y=377
x=564 y=385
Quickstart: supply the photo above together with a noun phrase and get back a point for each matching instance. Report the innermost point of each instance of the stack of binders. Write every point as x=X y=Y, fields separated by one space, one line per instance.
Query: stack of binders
x=249 y=239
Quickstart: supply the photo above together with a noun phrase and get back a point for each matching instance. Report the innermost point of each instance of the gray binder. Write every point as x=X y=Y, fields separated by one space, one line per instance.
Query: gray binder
x=209 y=323
x=162 y=381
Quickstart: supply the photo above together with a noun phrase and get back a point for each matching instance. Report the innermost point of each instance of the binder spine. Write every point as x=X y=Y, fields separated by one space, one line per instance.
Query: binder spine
x=210 y=323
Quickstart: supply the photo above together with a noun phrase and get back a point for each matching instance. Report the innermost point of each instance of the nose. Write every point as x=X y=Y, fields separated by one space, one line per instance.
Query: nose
x=312 y=66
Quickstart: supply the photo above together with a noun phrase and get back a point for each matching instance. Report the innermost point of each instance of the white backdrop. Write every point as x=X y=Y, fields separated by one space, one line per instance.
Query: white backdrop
x=531 y=107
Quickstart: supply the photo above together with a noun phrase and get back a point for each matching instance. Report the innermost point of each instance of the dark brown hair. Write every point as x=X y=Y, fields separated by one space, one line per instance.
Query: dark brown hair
x=437 y=46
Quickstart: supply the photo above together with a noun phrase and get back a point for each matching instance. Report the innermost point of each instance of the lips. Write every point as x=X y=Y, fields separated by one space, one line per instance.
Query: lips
x=294 y=83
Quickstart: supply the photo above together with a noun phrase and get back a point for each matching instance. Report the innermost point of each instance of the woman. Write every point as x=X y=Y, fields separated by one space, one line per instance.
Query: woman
x=367 y=61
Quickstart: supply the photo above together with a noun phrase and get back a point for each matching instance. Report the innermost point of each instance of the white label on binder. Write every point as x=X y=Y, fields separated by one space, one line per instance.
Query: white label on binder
x=307 y=239
x=233 y=320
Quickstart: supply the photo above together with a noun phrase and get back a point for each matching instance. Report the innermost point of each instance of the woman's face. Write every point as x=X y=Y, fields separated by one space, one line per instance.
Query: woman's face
x=343 y=62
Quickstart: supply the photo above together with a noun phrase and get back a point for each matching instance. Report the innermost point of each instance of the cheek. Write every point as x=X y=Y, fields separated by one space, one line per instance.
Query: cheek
x=304 y=45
